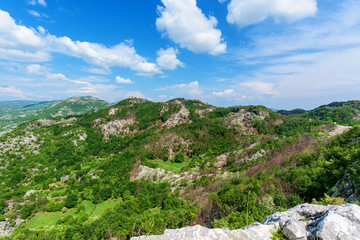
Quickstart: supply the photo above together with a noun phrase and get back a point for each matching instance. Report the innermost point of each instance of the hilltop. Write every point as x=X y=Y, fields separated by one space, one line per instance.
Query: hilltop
x=13 y=113
x=159 y=165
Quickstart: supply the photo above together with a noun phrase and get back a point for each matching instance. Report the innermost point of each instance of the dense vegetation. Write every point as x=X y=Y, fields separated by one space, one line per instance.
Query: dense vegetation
x=227 y=167
x=13 y=113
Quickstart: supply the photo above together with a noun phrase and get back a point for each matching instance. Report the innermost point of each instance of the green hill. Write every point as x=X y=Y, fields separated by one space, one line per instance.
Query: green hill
x=13 y=113
x=140 y=167
x=345 y=113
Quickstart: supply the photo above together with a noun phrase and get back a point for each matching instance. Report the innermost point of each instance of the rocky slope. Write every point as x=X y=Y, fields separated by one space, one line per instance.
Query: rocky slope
x=306 y=221
x=13 y=113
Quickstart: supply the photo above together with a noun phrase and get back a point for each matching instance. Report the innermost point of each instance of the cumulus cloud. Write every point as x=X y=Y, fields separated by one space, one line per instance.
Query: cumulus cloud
x=185 y=24
x=38 y=2
x=122 y=55
x=244 y=12
x=14 y=36
x=167 y=59
x=123 y=80
x=227 y=92
x=20 y=43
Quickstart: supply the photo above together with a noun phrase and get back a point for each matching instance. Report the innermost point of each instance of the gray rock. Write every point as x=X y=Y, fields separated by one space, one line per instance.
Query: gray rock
x=294 y=230
x=191 y=233
x=341 y=223
x=280 y=218
x=306 y=221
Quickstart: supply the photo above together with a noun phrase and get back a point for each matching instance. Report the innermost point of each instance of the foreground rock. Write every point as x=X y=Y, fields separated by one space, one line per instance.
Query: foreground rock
x=303 y=222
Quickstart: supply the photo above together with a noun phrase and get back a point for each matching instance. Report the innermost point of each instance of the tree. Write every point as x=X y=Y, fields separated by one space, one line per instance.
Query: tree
x=71 y=201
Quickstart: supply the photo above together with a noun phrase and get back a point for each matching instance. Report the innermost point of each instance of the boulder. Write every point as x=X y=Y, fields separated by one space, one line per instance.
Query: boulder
x=295 y=230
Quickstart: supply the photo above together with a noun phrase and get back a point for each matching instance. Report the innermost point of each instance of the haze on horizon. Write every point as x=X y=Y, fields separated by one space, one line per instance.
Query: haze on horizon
x=278 y=53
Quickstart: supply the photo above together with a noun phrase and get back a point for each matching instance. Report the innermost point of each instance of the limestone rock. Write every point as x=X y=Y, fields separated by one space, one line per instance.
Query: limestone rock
x=305 y=221
x=295 y=230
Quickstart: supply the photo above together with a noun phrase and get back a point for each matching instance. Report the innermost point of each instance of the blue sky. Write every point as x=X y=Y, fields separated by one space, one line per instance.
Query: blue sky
x=278 y=53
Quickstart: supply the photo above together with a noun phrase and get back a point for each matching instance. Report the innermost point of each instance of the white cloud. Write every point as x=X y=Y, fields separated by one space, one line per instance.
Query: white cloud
x=123 y=80
x=245 y=12
x=11 y=91
x=14 y=36
x=20 y=43
x=260 y=88
x=122 y=55
x=168 y=60
x=41 y=30
x=185 y=24
x=38 y=2
x=36 y=69
x=34 y=13
x=191 y=90
x=227 y=92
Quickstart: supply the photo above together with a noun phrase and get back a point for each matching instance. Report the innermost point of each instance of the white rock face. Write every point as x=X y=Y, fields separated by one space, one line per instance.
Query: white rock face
x=306 y=221
x=28 y=193
x=203 y=233
x=178 y=118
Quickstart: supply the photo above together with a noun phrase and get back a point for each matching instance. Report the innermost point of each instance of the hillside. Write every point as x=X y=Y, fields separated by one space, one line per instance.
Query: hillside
x=346 y=113
x=13 y=113
x=140 y=167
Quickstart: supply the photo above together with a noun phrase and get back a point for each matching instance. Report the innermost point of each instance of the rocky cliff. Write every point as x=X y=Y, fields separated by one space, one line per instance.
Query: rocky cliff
x=303 y=222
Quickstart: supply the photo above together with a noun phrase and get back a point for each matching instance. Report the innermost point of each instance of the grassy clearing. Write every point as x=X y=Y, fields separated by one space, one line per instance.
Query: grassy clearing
x=89 y=206
x=47 y=219
x=170 y=166
x=50 y=219
x=101 y=207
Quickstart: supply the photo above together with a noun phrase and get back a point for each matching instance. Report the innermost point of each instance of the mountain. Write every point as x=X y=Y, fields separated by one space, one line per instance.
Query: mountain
x=140 y=167
x=347 y=113
x=13 y=113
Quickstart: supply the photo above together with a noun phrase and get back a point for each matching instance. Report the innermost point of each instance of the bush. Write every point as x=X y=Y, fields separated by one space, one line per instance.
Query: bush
x=71 y=201
x=26 y=210
x=327 y=200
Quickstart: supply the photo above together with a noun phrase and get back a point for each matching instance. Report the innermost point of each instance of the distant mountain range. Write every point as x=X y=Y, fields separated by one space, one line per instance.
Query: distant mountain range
x=13 y=113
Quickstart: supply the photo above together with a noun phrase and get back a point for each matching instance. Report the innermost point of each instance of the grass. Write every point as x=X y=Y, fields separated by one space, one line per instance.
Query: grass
x=47 y=219
x=170 y=166
x=101 y=207
x=89 y=206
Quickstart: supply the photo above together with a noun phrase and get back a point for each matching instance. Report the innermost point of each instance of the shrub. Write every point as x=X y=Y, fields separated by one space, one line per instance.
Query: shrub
x=71 y=201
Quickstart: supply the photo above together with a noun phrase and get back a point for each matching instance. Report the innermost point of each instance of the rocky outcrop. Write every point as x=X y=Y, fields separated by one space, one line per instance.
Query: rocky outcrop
x=348 y=186
x=303 y=222
x=178 y=118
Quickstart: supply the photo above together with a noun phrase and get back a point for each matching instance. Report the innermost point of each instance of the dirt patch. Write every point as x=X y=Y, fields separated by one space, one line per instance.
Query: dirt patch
x=339 y=130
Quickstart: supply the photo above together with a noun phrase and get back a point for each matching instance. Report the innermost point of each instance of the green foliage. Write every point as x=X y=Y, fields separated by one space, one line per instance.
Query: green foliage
x=26 y=210
x=278 y=235
x=327 y=200
x=71 y=201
